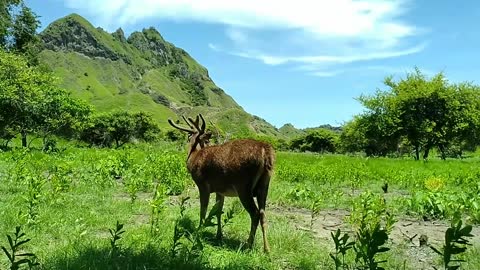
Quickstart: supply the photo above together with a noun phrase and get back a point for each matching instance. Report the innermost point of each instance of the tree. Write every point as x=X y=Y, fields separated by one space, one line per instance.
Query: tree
x=7 y=8
x=427 y=112
x=119 y=127
x=353 y=137
x=31 y=102
x=25 y=39
x=320 y=140
x=18 y=25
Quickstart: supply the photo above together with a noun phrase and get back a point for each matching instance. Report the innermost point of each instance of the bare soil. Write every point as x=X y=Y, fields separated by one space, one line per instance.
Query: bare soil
x=407 y=231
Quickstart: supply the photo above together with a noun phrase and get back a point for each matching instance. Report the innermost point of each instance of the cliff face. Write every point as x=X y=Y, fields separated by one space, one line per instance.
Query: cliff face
x=140 y=72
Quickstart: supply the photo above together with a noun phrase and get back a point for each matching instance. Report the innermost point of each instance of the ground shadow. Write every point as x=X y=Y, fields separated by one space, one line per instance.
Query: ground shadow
x=151 y=257
x=209 y=235
x=226 y=242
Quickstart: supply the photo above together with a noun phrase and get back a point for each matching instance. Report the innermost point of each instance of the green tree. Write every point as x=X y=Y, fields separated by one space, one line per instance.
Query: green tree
x=353 y=137
x=18 y=26
x=31 y=102
x=7 y=8
x=320 y=140
x=25 y=38
x=427 y=112
x=119 y=128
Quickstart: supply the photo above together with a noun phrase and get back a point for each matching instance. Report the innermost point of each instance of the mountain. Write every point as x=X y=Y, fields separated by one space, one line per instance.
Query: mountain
x=289 y=131
x=141 y=72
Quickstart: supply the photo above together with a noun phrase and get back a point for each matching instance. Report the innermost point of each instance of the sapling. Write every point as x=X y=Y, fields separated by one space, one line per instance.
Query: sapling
x=456 y=243
x=16 y=244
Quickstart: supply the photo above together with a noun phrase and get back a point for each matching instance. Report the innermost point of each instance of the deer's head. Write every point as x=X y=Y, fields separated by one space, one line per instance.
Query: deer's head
x=197 y=137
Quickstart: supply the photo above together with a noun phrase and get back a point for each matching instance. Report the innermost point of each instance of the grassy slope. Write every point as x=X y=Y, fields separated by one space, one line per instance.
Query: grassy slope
x=104 y=83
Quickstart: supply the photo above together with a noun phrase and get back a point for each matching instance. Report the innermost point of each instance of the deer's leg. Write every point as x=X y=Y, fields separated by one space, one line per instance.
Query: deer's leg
x=262 y=193
x=220 y=200
x=249 y=205
x=204 y=197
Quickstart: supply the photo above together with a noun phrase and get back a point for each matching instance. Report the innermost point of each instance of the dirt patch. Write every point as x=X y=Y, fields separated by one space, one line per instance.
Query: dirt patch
x=406 y=232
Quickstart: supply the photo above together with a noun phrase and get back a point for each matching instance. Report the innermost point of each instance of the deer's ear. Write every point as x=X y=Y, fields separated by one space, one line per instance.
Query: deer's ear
x=207 y=135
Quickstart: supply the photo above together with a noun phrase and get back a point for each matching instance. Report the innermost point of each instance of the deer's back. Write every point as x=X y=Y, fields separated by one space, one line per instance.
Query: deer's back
x=243 y=158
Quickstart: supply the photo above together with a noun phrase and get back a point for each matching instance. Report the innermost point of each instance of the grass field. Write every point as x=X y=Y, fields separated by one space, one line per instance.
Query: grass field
x=67 y=202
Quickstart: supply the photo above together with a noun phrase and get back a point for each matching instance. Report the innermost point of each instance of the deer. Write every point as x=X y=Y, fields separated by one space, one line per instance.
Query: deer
x=238 y=168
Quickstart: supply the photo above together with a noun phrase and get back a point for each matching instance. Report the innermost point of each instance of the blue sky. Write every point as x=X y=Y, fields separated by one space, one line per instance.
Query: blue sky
x=305 y=61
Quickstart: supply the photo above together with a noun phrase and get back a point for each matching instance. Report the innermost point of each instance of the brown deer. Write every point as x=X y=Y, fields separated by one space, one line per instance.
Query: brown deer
x=239 y=168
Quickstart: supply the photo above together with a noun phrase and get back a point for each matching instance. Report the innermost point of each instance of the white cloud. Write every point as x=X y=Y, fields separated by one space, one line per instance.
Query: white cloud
x=214 y=47
x=321 y=60
x=314 y=32
x=325 y=73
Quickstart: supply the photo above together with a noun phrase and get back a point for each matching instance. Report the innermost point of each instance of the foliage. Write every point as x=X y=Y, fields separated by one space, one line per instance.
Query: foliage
x=156 y=208
x=119 y=128
x=372 y=224
x=97 y=179
x=116 y=235
x=342 y=245
x=31 y=102
x=18 y=25
x=187 y=240
x=427 y=112
x=456 y=243
x=17 y=244
x=320 y=140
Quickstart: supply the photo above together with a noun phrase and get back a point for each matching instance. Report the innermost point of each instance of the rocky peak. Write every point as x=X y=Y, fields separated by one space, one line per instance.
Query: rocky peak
x=119 y=35
x=74 y=33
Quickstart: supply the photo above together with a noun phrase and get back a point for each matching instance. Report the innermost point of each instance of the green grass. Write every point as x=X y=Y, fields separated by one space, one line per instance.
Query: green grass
x=70 y=230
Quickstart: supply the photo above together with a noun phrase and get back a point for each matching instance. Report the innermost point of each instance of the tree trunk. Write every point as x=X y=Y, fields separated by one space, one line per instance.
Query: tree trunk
x=442 y=152
x=425 y=154
x=417 y=152
x=24 y=138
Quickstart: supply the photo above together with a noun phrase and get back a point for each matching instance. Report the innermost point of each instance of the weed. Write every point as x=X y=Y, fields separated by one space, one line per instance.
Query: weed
x=15 y=245
x=156 y=207
x=116 y=236
x=315 y=210
x=456 y=243
x=342 y=245
x=187 y=240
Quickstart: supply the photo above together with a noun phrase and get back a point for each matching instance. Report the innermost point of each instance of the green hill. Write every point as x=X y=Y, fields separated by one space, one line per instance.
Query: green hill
x=142 y=72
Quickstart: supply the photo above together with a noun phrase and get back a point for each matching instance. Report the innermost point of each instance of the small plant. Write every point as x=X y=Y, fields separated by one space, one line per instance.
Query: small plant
x=35 y=184
x=300 y=193
x=177 y=230
x=15 y=245
x=232 y=211
x=455 y=244
x=369 y=243
x=371 y=223
x=187 y=239
x=156 y=207
x=315 y=210
x=116 y=235
x=133 y=181
x=434 y=184
x=60 y=178
x=342 y=245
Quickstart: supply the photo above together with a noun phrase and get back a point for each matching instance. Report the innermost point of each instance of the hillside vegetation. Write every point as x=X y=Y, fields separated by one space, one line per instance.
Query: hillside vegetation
x=141 y=72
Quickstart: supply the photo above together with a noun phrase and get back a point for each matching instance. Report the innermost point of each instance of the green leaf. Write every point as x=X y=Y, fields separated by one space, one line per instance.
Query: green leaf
x=10 y=258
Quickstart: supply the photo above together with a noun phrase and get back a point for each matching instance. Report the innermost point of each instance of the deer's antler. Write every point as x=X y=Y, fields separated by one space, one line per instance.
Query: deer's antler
x=186 y=121
x=196 y=122
x=203 y=122
x=180 y=128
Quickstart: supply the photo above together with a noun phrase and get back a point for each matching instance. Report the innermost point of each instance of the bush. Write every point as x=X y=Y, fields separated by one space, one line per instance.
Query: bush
x=321 y=140
x=119 y=127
